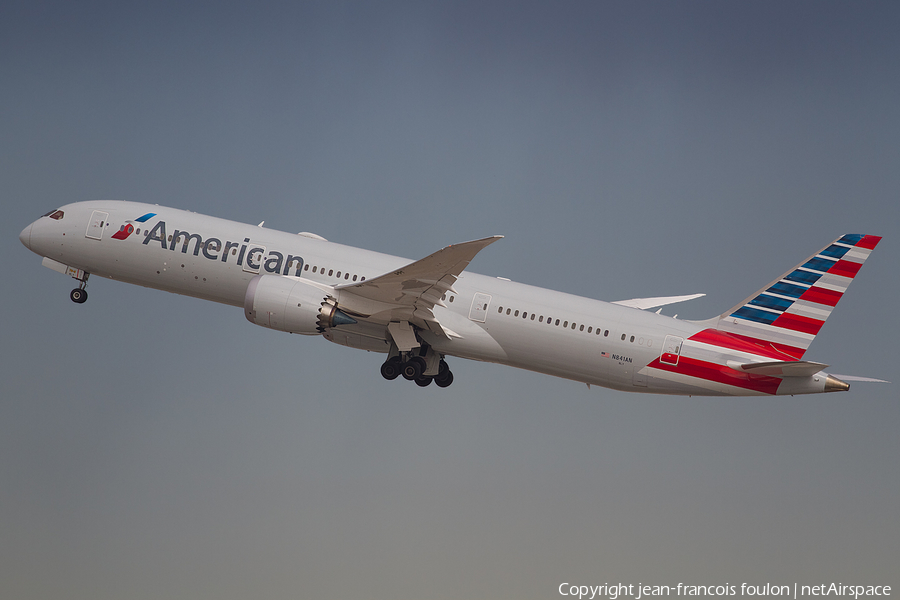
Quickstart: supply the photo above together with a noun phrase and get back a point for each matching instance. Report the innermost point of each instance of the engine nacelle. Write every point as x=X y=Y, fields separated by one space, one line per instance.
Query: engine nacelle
x=290 y=304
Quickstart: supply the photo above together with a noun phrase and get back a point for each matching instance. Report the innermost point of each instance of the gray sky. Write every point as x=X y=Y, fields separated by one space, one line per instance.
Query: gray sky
x=156 y=446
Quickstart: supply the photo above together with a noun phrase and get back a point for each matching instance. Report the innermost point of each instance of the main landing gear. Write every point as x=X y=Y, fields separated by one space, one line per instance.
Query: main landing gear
x=79 y=294
x=416 y=368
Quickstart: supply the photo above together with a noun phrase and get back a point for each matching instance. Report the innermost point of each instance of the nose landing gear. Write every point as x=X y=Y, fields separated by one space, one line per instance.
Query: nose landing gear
x=79 y=294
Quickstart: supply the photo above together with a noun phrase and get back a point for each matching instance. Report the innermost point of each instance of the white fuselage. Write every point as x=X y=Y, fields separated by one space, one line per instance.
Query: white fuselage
x=523 y=326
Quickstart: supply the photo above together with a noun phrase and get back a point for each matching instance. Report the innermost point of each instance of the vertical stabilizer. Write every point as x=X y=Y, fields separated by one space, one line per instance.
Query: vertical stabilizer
x=786 y=315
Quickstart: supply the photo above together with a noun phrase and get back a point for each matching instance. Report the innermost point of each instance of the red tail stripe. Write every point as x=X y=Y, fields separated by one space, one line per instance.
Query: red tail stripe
x=742 y=343
x=845 y=268
x=798 y=323
x=746 y=343
x=821 y=296
x=869 y=241
x=720 y=374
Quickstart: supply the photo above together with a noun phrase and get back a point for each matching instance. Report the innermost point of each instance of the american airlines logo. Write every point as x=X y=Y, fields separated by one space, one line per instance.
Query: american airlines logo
x=128 y=228
x=252 y=257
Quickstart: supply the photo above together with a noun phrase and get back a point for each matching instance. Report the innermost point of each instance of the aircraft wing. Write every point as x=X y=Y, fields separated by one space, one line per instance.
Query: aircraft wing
x=416 y=288
x=643 y=303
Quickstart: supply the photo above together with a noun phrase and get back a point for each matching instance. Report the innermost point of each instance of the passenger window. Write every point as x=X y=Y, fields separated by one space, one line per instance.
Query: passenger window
x=589 y=329
x=623 y=337
x=557 y=322
x=314 y=269
x=524 y=315
x=582 y=328
x=330 y=272
x=541 y=320
x=516 y=314
x=451 y=297
x=354 y=278
x=306 y=267
x=508 y=310
x=606 y=333
x=632 y=339
x=565 y=324
x=346 y=275
x=532 y=316
x=338 y=274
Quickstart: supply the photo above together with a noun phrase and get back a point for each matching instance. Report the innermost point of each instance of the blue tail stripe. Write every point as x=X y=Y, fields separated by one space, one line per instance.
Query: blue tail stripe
x=753 y=314
x=819 y=264
x=851 y=238
x=833 y=251
x=767 y=301
x=804 y=277
x=787 y=289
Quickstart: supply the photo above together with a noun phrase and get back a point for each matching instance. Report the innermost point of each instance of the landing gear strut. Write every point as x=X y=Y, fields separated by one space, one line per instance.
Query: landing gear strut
x=418 y=366
x=79 y=294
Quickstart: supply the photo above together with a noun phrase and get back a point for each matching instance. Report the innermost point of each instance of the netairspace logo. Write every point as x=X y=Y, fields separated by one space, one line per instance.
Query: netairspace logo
x=795 y=591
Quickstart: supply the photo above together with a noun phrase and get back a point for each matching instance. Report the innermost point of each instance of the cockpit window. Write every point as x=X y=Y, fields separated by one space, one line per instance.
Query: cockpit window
x=55 y=214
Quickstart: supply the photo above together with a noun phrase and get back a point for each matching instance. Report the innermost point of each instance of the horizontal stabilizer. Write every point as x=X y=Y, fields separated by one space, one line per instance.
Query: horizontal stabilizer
x=779 y=368
x=644 y=303
x=863 y=379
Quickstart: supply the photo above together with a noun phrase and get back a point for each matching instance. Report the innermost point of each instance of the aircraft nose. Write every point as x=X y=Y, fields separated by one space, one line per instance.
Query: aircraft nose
x=25 y=236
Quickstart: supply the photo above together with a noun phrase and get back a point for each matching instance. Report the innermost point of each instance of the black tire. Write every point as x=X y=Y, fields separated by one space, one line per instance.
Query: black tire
x=413 y=368
x=445 y=380
x=390 y=370
x=78 y=296
x=424 y=381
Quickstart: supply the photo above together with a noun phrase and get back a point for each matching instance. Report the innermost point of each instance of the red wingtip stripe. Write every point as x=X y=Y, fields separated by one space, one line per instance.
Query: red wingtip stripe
x=798 y=323
x=868 y=241
x=845 y=268
x=822 y=296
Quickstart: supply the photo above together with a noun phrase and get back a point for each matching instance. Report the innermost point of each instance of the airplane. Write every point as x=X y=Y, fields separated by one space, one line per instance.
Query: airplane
x=418 y=313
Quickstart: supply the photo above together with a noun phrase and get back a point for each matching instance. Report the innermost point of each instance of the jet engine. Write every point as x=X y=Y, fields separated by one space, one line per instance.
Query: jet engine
x=292 y=305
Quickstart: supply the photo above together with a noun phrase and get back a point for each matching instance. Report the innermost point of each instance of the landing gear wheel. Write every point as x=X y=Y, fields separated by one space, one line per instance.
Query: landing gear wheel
x=390 y=370
x=424 y=381
x=413 y=368
x=78 y=296
x=444 y=380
